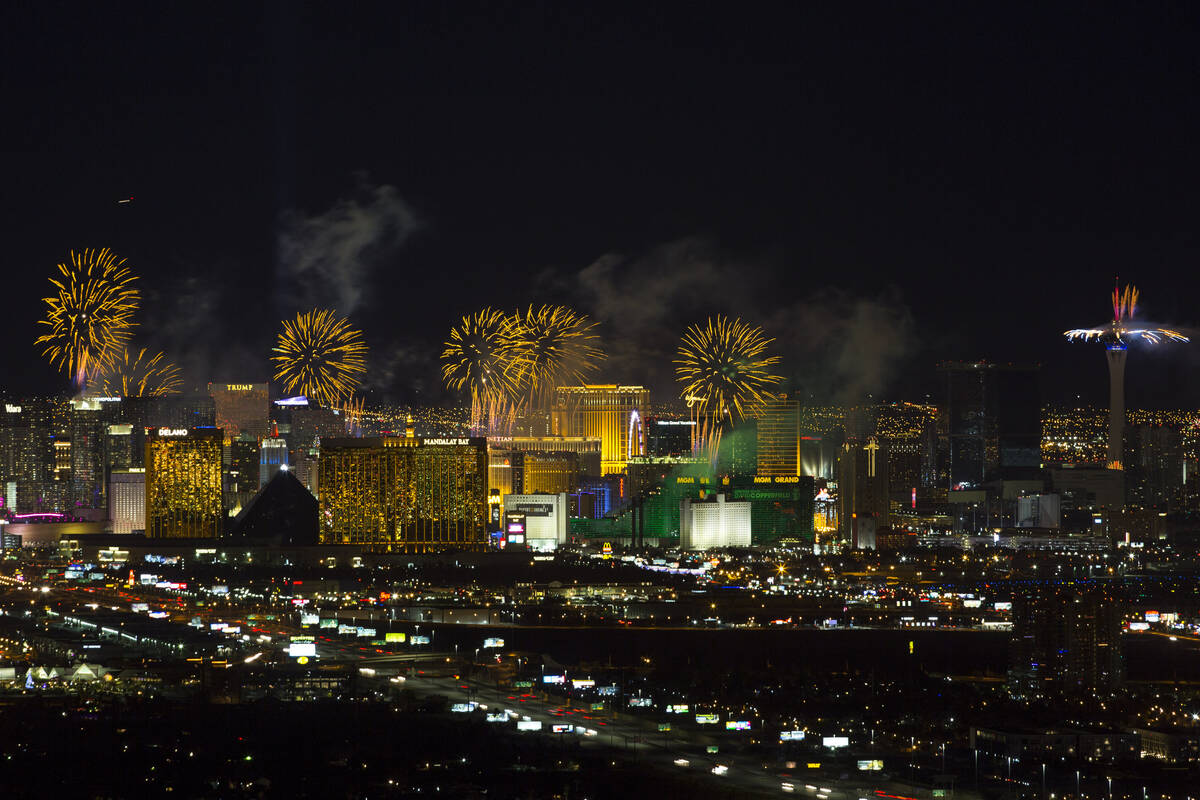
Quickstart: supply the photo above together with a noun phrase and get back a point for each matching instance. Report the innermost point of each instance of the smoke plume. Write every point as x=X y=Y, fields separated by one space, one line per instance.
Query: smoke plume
x=330 y=259
x=835 y=347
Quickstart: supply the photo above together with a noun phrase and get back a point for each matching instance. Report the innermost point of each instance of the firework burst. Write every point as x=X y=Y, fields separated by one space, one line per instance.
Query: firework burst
x=1117 y=332
x=320 y=356
x=1115 y=337
x=90 y=314
x=139 y=375
x=553 y=346
x=352 y=415
x=479 y=360
x=725 y=374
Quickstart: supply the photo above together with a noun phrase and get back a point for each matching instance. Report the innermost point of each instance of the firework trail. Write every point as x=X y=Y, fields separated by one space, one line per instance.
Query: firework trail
x=479 y=359
x=554 y=346
x=90 y=315
x=725 y=374
x=352 y=415
x=320 y=356
x=139 y=376
x=1115 y=333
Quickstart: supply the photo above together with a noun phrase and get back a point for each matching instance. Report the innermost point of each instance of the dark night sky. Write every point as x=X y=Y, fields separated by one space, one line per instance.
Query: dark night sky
x=881 y=186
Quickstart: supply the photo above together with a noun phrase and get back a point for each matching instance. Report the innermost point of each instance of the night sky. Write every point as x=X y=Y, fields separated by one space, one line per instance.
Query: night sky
x=881 y=186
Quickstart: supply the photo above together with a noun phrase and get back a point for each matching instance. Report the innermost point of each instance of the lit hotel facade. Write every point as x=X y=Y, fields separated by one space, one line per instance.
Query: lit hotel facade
x=183 y=483
x=404 y=494
x=608 y=412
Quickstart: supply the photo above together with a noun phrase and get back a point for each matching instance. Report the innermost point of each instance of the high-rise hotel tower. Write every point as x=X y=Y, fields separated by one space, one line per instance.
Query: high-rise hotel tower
x=183 y=483
x=404 y=494
x=609 y=412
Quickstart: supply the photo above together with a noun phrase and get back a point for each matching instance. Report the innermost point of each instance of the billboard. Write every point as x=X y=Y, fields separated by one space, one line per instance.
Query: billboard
x=493 y=642
x=791 y=736
x=561 y=728
x=529 y=725
x=347 y=630
x=365 y=633
x=328 y=624
x=302 y=646
x=419 y=640
x=391 y=636
x=737 y=725
x=640 y=702
x=583 y=683
x=310 y=619
x=678 y=708
x=835 y=741
x=707 y=719
x=559 y=679
x=873 y=765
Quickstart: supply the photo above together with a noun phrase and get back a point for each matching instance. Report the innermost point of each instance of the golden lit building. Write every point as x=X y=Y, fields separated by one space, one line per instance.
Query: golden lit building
x=241 y=408
x=541 y=464
x=779 y=438
x=404 y=494
x=610 y=412
x=183 y=483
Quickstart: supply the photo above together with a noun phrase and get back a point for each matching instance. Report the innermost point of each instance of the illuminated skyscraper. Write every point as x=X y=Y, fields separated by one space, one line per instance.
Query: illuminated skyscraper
x=779 y=438
x=863 y=491
x=90 y=419
x=241 y=468
x=273 y=456
x=404 y=494
x=241 y=408
x=127 y=500
x=183 y=483
x=35 y=453
x=607 y=411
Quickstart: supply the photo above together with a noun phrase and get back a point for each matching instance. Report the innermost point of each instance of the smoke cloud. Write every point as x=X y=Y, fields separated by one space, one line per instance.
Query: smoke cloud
x=180 y=321
x=330 y=259
x=835 y=347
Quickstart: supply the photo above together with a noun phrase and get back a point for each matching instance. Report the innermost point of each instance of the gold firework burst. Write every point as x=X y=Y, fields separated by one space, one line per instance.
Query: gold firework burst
x=553 y=345
x=90 y=314
x=320 y=356
x=725 y=373
x=479 y=360
x=139 y=376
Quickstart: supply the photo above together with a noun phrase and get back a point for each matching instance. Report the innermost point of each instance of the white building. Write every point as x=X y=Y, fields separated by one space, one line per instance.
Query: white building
x=712 y=524
x=127 y=500
x=545 y=518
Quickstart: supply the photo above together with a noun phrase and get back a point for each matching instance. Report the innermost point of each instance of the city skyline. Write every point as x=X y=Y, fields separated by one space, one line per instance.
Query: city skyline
x=567 y=400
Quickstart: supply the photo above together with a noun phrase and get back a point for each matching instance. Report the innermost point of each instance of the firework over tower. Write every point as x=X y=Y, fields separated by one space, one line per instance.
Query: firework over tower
x=1116 y=337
